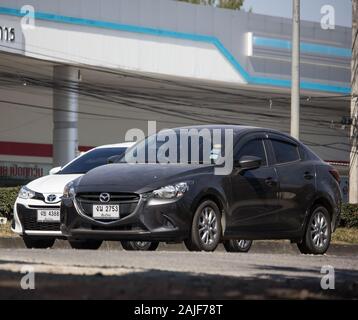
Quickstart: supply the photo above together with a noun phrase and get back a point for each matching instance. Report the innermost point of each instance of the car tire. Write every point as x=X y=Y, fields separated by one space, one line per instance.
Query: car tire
x=85 y=244
x=38 y=243
x=237 y=245
x=317 y=237
x=189 y=245
x=205 y=234
x=140 y=245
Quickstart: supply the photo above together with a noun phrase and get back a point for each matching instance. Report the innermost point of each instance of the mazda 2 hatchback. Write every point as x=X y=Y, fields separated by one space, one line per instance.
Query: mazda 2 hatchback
x=277 y=188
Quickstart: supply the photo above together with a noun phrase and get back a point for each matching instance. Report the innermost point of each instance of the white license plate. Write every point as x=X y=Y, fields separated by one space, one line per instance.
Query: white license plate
x=105 y=211
x=48 y=215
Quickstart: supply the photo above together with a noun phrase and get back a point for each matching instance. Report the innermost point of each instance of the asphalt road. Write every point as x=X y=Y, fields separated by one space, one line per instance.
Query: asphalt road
x=174 y=274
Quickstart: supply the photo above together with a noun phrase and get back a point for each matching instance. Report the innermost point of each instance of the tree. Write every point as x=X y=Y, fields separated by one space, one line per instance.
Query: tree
x=231 y=4
x=227 y=4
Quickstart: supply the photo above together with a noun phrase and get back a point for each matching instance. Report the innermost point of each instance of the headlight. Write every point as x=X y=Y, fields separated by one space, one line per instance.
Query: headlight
x=171 y=191
x=69 y=191
x=26 y=193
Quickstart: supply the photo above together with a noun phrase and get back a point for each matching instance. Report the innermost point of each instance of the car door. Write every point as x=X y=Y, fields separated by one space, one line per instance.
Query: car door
x=254 y=201
x=296 y=182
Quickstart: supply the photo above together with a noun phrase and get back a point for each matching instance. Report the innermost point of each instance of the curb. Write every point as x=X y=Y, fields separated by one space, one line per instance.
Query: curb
x=261 y=246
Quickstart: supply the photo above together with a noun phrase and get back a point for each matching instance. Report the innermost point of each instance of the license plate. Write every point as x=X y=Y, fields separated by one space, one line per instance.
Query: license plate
x=105 y=211
x=48 y=215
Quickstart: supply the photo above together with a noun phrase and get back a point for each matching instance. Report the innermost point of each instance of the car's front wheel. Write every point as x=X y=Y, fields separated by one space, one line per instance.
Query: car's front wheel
x=237 y=245
x=317 y=237
x=85 y=244
x=206 y=228
x=140 y=245
x=38 y=243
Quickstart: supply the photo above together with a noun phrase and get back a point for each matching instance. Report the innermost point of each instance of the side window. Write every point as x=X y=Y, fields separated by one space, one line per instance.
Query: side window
x=303 y=153
x=253 y=148
x=285 y=151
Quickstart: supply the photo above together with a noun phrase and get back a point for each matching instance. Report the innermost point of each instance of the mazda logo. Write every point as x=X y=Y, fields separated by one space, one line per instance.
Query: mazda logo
x=104 y=197
x=51 y=198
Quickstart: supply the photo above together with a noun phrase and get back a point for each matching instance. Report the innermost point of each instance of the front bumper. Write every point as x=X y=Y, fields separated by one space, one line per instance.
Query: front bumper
x=25 y=219
x=150 y=220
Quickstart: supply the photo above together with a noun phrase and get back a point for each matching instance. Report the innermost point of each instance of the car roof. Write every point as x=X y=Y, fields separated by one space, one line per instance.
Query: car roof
x=116 y=145
x=218 y=126
x=236 y=128
x=239 y=130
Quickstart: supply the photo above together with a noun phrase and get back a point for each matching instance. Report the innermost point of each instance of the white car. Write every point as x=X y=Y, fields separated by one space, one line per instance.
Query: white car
x=37 y=207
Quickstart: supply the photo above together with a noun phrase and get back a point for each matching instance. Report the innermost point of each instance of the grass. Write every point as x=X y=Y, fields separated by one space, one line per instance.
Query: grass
x=5 y=230
x=345 y=235
x=342 y=235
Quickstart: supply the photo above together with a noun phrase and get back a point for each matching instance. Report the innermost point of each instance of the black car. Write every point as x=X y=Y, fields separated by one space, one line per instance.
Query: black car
x=278 y=189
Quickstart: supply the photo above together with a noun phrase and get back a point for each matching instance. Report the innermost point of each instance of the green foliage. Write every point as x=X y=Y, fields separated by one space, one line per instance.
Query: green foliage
x=7 y=200
x=231 y=4
x=349 y=216
x=346 y=235
x=5 y=230
x=227 y=4
x=193 y=1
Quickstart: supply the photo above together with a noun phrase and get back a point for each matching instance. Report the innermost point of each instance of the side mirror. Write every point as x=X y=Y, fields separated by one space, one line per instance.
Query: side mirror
x=248 y=162
x=55 y=170
x=113 y=159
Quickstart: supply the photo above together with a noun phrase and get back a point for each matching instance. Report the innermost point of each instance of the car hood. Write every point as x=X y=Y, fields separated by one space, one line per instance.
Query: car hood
x=138 y=178
x=52 y=183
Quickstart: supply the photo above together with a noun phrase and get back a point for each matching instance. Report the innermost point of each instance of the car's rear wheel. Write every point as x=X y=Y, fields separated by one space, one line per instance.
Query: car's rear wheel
x=206 y=228
x=140 y=245
x=237 y=245
x=317 y=237
x=189 y=245
x=85 y=244
x=38 y=243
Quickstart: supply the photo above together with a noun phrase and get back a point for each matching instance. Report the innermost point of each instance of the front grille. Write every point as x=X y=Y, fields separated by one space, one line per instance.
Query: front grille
x=28 y=219
x=135 y=227
x=43 y=207
x=115 y=197
x=127 y=202
x=39 y=196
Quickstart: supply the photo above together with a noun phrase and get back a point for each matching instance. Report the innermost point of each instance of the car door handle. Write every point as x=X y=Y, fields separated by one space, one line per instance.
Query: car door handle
x=270 y=182
x=308 y=175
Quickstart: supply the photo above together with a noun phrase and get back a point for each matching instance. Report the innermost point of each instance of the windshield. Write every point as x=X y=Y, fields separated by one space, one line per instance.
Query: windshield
x=91 y=160
x=177 y=147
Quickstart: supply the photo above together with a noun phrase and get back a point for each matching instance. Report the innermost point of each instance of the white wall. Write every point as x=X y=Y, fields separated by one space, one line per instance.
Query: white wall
x=121 y=50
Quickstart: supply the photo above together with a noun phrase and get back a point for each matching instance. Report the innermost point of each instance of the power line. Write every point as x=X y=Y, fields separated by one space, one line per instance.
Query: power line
x=151 y=78
x=103 y=93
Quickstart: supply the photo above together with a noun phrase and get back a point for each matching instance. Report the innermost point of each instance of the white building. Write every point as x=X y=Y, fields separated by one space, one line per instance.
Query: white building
x=120 y=63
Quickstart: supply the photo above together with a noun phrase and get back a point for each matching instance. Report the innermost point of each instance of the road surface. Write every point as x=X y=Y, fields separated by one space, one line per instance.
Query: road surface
x=174 y=274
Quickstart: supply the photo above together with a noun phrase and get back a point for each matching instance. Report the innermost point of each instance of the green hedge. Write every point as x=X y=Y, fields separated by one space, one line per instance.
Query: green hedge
x=7 y=200
x=349 y=216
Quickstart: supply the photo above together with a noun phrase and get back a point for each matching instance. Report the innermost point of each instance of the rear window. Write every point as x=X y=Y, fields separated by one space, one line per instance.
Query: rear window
x=308 y=154
x=285 y=151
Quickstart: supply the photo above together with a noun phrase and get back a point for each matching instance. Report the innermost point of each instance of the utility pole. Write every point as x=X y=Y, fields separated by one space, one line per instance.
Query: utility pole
x=353 y=169
x=295 y=89
x=65 y=114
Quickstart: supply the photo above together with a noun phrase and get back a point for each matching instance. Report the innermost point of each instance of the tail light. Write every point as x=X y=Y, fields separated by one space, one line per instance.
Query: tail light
x=335 y=174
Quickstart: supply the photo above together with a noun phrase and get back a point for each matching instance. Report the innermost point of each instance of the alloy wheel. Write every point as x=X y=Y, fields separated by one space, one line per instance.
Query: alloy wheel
x=142 y=244
x=243 y=244
x=208 y=226
x=319 y=230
